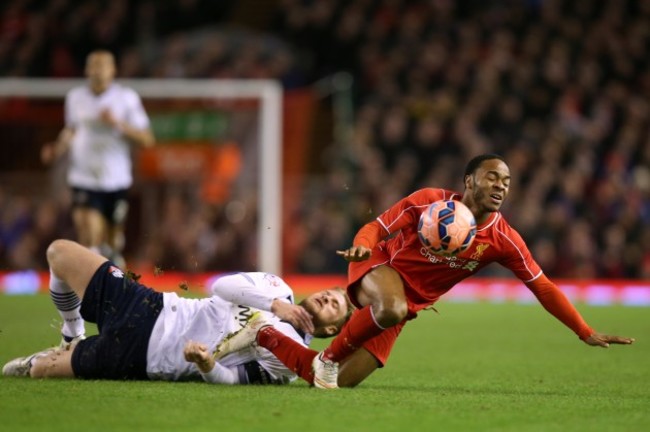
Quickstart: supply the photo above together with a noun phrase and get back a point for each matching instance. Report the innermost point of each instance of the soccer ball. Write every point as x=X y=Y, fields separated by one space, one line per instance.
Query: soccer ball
x=447 y=227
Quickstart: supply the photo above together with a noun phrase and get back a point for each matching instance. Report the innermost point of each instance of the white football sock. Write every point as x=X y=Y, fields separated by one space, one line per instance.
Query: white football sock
x=68 y=304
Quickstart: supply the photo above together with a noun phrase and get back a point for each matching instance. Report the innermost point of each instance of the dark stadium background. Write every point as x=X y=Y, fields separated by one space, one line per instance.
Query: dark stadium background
x=381 y=97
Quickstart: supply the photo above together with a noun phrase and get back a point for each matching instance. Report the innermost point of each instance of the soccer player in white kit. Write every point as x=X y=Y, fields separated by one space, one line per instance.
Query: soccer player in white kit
x=103 y=120
x=144 y=334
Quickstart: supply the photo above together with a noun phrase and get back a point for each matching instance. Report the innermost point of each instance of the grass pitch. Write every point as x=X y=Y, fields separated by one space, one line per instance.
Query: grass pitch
x=473 y=367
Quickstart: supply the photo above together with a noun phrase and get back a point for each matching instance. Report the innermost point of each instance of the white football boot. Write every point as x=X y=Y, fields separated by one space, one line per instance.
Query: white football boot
x=21 y=366
x=242 y=338
x=326 y=372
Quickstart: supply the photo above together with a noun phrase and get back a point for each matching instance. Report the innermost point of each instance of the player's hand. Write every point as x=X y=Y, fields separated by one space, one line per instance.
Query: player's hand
x=355 y=253
x=602 y=340
x=196 y=352
x=296 y=315
x=53 y=150
x=48 y=153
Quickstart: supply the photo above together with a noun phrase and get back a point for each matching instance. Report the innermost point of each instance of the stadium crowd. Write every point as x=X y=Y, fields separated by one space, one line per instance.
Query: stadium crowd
x=560 y=88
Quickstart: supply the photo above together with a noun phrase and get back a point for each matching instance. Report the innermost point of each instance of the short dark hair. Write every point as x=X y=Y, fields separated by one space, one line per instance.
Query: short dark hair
x=476 y=161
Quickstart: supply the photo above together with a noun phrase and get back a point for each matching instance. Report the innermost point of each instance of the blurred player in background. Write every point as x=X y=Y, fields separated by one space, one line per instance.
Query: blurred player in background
x=102 y=121
x=144 y=334
x=392 y=277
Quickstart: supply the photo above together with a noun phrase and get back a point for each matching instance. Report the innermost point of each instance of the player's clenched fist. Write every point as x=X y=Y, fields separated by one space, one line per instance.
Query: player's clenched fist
x=198 y=353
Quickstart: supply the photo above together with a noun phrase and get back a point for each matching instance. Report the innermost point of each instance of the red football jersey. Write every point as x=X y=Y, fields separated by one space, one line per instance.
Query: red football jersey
x=428 y=276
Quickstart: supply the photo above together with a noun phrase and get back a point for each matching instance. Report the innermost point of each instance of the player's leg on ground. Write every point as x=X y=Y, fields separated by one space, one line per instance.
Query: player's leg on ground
x=91 y=227
x=381 y=292
x=356 y=367
x=21 y=366
x=55 y=364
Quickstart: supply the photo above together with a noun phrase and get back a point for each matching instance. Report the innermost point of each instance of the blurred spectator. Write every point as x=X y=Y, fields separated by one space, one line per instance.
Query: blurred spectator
x=562 y=87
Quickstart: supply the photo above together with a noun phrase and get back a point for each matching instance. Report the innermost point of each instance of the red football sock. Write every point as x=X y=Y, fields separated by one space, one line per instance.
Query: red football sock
x=360 y=328
x=296 y=357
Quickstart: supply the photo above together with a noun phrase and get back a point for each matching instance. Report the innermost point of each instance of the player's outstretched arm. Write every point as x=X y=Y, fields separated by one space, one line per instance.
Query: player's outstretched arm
x=368 y=236
x=240 y=288
x=602 y=340
x=355 y=253
x=559 y=305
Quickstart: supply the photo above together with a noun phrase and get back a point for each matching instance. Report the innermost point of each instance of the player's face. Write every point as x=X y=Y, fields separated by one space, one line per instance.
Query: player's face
x=327 y=307
x=489 y=185
x=100 y=70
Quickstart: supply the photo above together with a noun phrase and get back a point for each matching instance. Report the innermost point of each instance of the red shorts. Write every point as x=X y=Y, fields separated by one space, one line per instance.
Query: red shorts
x=415 y=300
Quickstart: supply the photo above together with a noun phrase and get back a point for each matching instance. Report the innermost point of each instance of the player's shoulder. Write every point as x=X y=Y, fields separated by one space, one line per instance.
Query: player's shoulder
x=268 y=279
x=501 y=222
x=124 y=91
x=78 y=91
x=501 y=228
x=495 y=222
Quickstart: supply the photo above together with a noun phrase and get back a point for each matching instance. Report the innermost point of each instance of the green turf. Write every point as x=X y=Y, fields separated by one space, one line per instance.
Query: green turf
x=484 y=367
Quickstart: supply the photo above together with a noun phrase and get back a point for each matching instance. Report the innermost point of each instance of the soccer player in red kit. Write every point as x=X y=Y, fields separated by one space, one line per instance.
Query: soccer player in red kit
x=392 y=276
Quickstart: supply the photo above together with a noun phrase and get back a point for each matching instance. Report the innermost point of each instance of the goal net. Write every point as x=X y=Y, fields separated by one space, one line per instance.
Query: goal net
x=213 y=178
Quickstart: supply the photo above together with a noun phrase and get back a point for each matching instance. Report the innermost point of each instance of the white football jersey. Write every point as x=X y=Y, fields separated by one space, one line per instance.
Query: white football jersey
x=209 y=320
x=100 y=157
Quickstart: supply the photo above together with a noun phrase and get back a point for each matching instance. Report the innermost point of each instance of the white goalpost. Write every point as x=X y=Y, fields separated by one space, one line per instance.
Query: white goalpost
x=269 y=94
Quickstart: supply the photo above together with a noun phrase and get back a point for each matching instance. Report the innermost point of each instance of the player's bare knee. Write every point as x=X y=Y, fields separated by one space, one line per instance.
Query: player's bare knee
x=390 y=312
x=55 y=252
x=59 y=255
